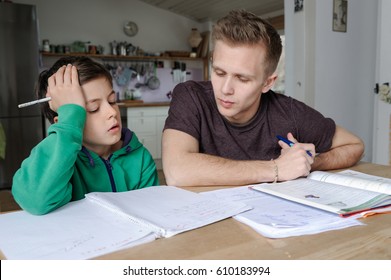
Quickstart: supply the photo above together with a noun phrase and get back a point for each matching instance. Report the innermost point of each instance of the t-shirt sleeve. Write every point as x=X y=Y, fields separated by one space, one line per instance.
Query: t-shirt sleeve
x=183 y=114
x=312 y=126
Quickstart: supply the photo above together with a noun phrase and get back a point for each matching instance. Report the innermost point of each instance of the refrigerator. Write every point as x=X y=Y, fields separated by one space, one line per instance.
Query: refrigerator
x=20 y=129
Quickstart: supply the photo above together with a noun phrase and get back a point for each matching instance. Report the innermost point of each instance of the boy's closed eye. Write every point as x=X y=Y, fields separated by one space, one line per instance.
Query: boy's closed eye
x=92 y=106
x=95 y=106
x=112 y=99
x=93 y=109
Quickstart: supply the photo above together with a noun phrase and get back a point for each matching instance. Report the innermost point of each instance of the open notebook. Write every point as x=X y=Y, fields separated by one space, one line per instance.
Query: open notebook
x=105 y=222
x=346 y=193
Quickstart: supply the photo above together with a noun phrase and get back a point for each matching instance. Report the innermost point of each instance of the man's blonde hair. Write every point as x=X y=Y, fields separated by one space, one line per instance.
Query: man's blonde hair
x=240 y=27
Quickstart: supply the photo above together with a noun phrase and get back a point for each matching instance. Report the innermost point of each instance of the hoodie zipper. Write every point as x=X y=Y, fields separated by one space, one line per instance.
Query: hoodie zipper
x=109 y=169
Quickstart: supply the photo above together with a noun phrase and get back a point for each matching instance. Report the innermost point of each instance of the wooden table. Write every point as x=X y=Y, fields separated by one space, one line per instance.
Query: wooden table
x=230 y=239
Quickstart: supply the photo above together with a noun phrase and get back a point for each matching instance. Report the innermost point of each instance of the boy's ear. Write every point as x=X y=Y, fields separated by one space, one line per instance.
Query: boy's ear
x=55 y=119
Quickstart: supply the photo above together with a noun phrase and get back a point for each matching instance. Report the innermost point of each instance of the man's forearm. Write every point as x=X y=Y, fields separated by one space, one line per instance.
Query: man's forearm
x=196 y=169
x=339 y=157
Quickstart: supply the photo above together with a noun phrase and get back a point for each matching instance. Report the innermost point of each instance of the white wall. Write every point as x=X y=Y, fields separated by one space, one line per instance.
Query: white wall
x=101 y=21
x=336 y=70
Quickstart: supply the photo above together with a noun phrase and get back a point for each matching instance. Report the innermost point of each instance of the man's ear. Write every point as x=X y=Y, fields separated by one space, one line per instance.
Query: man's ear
x=55 y=119
x=269 y=83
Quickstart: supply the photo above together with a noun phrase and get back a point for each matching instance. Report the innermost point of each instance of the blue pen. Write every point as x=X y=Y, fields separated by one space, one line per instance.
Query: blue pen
x=290 y=143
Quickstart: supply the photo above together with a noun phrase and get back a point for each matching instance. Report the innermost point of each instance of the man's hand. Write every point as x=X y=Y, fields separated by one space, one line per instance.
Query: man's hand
x=294 y=160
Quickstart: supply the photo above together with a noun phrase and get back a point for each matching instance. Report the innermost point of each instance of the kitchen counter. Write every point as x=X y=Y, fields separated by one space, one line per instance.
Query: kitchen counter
x=137 y=103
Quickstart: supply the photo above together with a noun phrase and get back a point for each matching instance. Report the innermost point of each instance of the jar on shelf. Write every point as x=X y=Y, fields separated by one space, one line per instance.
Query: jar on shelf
x=45 y=45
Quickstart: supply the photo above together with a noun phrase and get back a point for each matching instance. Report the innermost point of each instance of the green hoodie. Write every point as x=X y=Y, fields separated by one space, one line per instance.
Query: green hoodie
x=59 y=169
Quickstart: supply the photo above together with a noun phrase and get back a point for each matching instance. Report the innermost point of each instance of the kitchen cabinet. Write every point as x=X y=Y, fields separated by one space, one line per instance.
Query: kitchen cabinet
x=148 y=123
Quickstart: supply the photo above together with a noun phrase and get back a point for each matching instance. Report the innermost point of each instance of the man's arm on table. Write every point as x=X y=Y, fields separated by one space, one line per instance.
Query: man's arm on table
x=184 y=165
x=346 y=150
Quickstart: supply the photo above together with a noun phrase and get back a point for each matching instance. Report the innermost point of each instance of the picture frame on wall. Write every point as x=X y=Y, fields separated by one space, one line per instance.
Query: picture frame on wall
x=299 y=5
x=340 y=15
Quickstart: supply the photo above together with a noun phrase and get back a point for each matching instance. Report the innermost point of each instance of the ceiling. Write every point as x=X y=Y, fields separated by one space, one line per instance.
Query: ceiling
x=211 y=10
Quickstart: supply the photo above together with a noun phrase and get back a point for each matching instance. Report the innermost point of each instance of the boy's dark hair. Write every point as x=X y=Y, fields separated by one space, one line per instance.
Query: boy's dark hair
x=87 y=69
x=240 y=27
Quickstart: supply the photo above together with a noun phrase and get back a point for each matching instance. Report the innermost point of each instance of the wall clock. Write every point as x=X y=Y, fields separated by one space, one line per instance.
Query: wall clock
x=130 y=28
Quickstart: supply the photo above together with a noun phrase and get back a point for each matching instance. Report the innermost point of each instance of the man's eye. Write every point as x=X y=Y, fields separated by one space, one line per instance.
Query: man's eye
x=219 y=73
x=243 y=80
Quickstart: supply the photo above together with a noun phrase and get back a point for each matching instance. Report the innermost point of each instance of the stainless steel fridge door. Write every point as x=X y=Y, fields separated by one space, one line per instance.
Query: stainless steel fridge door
x=22 y=134
x=19 y=59
x=19 y=66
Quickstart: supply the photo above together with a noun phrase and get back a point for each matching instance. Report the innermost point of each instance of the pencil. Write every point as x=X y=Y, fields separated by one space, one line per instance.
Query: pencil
x=46 y=99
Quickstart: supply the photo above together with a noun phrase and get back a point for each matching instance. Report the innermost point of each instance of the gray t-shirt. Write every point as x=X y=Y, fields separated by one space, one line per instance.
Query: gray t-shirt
x=193 y=110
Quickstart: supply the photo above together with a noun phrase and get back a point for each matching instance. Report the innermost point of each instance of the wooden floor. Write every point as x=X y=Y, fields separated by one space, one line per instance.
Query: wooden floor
x=7 y=202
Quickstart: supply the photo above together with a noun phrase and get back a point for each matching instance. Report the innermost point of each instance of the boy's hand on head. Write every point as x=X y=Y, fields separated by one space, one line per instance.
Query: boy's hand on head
x=64 y=88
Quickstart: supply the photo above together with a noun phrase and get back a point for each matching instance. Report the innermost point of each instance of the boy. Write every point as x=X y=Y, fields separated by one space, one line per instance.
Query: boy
x=86 y=148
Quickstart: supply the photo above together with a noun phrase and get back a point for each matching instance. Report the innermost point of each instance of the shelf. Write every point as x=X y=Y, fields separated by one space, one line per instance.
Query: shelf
x=129 y=104
x=105 y=57
x=123 y=57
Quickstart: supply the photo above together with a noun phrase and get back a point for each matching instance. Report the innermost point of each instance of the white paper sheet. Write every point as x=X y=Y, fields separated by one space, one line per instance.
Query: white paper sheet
x=105 y=222
x=85 y=231
x=170 y=210
x=277 y=218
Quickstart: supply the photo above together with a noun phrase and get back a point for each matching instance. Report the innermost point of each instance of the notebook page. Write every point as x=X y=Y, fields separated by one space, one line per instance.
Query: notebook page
x=330 y=197
x=274 y=217
x=78 y=230
x=172 y=209
x=354 y=179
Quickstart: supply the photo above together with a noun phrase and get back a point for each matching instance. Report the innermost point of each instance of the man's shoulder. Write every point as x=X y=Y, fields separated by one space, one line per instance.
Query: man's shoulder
x=282 y=99
x=277 y=99
x=277 y=96
x=195 y=91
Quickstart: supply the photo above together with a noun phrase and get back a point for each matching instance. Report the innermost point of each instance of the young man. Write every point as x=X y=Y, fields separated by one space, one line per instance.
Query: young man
x=223 y=131
x=86 y=148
